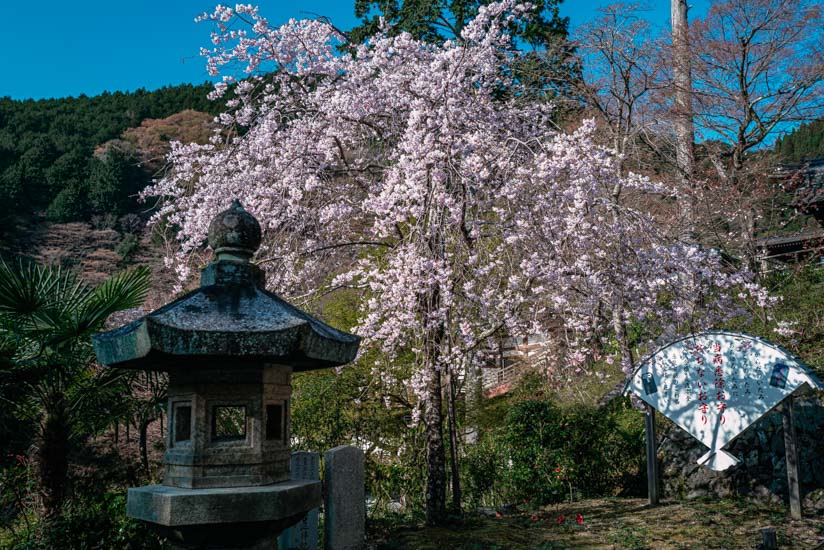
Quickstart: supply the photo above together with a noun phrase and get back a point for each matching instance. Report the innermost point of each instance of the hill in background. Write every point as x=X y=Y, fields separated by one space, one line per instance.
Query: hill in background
x=72 y=159
x=70 y=170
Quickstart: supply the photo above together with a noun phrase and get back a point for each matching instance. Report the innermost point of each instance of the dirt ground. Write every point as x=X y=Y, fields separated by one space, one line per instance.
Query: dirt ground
x=610 y=523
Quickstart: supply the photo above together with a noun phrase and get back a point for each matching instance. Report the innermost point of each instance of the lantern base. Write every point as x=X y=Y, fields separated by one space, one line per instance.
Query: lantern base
x=236 y=517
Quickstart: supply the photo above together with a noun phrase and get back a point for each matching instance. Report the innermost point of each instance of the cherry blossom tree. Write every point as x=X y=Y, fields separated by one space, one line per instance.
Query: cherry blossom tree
x=397 y=168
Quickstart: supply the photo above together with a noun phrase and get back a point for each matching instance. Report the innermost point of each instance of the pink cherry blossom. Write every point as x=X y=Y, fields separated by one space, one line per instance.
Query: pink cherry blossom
x=397 y=168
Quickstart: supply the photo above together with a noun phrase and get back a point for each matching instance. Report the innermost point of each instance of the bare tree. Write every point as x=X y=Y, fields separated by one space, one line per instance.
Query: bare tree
x=620 y=70
x=757 y=67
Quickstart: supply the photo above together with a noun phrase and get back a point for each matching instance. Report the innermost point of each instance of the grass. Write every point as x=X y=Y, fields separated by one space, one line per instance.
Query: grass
x=608 y=523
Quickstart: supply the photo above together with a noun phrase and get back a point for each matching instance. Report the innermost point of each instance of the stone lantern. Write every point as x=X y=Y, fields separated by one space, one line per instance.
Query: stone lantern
x=230 y=348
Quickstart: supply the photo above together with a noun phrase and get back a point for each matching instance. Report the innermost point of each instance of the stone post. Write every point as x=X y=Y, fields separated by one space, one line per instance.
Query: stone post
x=303 y=535
x=791 y=454
x=345 y=499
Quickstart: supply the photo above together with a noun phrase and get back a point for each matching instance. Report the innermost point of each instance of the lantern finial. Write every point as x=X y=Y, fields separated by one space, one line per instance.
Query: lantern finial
x=234 y=234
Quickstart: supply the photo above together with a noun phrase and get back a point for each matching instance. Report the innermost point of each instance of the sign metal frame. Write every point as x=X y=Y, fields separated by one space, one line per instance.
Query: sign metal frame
x=715 y=385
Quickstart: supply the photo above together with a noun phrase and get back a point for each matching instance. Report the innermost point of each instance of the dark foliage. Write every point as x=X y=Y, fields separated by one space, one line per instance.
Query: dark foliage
x=47 y=375
x=544 y=454
x=89 y=524
x=438 y=20
x=804 y=143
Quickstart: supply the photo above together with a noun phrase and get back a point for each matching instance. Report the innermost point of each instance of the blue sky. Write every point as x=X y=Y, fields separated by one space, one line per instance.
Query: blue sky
x=57 y=48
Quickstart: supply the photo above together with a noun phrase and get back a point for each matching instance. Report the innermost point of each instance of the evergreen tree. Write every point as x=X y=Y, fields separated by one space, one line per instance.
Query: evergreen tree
x=803 y=144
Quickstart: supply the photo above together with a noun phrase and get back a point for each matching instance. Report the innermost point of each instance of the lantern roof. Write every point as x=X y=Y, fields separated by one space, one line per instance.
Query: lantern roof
x=231 y=319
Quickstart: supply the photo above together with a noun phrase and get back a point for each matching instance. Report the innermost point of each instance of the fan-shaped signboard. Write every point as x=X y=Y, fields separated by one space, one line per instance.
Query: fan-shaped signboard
x=715 y=385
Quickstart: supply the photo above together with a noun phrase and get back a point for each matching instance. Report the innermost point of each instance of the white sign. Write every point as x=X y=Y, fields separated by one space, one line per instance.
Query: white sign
x=715 y=385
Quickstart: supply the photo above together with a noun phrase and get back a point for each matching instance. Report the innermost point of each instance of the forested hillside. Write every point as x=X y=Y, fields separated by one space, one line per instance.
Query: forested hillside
x=57 y=156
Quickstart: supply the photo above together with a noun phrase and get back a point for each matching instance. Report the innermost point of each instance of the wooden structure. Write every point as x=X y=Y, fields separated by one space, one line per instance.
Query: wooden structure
x=808 y=198
x=515 y=355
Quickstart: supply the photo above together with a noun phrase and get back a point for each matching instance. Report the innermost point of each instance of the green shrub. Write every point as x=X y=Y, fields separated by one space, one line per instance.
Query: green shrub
x=90 y=525
x=402 y=480
x=545 y=454
x=482 y=472
x=536 y=435
x=127 y=247
x=599 y=451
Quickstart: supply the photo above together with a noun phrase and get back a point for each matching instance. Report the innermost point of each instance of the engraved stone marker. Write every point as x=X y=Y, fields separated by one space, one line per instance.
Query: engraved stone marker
x=345 y=501
x=304 y=535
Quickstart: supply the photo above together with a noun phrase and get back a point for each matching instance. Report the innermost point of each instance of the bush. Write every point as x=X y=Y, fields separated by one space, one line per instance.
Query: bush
x=90 y=525
x=400 y=481
x=127 y=247
x=546 y=454
x=482 y=472
x=536 y=435
x=585 y=450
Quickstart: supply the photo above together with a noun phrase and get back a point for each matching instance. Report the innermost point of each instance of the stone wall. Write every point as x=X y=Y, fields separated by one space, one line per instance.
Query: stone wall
x=761 y=474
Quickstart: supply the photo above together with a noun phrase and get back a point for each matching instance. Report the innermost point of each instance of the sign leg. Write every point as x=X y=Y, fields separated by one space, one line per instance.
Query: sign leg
x=791 y=451
x=652 y=457
x=769 y=541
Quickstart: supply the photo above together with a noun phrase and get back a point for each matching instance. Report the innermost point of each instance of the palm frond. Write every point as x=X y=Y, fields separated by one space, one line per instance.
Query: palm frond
x=95 y=399
x=124 y=290
x=20 y=288
x=40 y=298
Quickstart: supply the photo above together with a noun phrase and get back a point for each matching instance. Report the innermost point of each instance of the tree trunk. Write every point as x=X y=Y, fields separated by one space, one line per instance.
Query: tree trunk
x=683 y=115
x=51 y=461
x=474 y=396
x=620 y=329
x=143 y=439
x=435 y=458
x=453 y=444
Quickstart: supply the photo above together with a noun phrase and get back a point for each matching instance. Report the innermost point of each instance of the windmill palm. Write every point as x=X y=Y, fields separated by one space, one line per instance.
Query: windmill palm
x=46 y=358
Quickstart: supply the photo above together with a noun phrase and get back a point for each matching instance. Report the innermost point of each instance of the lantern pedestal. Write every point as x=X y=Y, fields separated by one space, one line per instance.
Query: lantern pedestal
x=230 y=517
